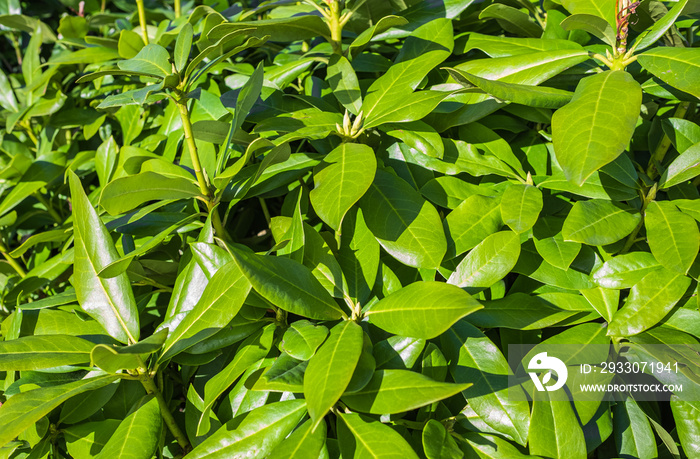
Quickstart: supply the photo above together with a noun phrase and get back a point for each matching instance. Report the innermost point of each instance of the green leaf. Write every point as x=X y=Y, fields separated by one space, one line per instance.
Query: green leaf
x=341 y=180
x=531 y=96
x=183 y=45
x=520 y=207
x=499 y=46
x=88 y=438
x=409 y=107
x=405 y=224
x=472 y=221
x=130 y=43
x=648 y=302
x=396 y=391
x=331 y=368
x=550 y=243
x=45 y=351
x=302 y=338
x=687 y=417
x=358 y=256
x=660 y=27
x=152 y=59
x=488 y=262
x=22 y=410
x=438 y=443
x=601 y=8
x=624 y=271
x=417 y=135
x=422 y=309
x=554 y=429
x=361 y=437
x=474 y=358
x=303 y=443
x=138 y=434
x=253 y=434
x=284 y=29
x=682 y=169
x=109 y=301
x=598 y=222
x=632 y=431
x=595 y=25
x=679 y=67
x=512 y=19
x=342 y=79
x=490 y=446
x=127 y=193
x=597 y=125
x=112 y=358
x=220 y=302
x=288 y=285
x=673 y=236
x=427 y=46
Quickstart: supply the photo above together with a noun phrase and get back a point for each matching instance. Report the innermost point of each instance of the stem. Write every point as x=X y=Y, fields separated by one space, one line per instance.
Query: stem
x=150 y=386
x=17 y=267
x=28 y=129
x=665 y=143
x=40 y=197
x=265 y=210
x=632 y=238
x=336 y=27
x=142 y=20
x=15 y=45
x=177 y=8
x=197 y=166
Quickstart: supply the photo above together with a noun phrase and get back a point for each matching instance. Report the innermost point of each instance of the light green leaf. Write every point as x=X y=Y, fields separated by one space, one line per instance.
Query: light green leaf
x=341 y=180
x=423 y=309
x=598 y=222
x=687 y=417
x=438 y=443
x=673 y=236
x=88 y=438
x=22 y=410
x=361 y=437
x=648 y=302
x=520 y=207
x=660 y=27
x=490 y=447
x=554 y=429
x=683 y=168
x=331 y=368
x=601 y=8
x=597 y=125
x=220 y=302
x=342 y=79
x=127 y=193
x=624 y=271
x=253 y=435
x=531 y=96
x=407 y=226
x=512 y=19
x=303 y=443
x=288 y=285
x=358 y=256
x=474 y=358
x=44 y=351
x=592 y=24
x=417 y=135
x=488 y=262
x=632 y=431
x=472 y=221
x=499 y=46
x=183 y=45
x=129 y=45
x=109 y=301
x=152 y=59
x=396 y=391
x=679 y=67
x=138 y=434
x=550 y=243
x=302 y=338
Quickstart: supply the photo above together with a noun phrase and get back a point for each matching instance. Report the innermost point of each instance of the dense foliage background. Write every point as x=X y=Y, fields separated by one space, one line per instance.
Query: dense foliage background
x=312 y=229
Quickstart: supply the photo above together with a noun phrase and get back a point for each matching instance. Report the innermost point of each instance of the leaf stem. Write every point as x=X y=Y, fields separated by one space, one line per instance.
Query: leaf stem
x=178 y=10
x=665 y=144
x=142 y=20
x=147 y=381
x=12 y=262
x=336 y=27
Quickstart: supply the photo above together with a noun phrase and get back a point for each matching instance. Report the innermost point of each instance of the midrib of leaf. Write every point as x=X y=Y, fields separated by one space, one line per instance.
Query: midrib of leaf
x=110 y=301
x=128 y=432
x=485 y=265
x=262 y=430
x=149 y=190
x=398 y=215
x=359 y=438
x=427 y=308
x=651 y=299
x=596 y=104
x=328 y=370
x=479 y=221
